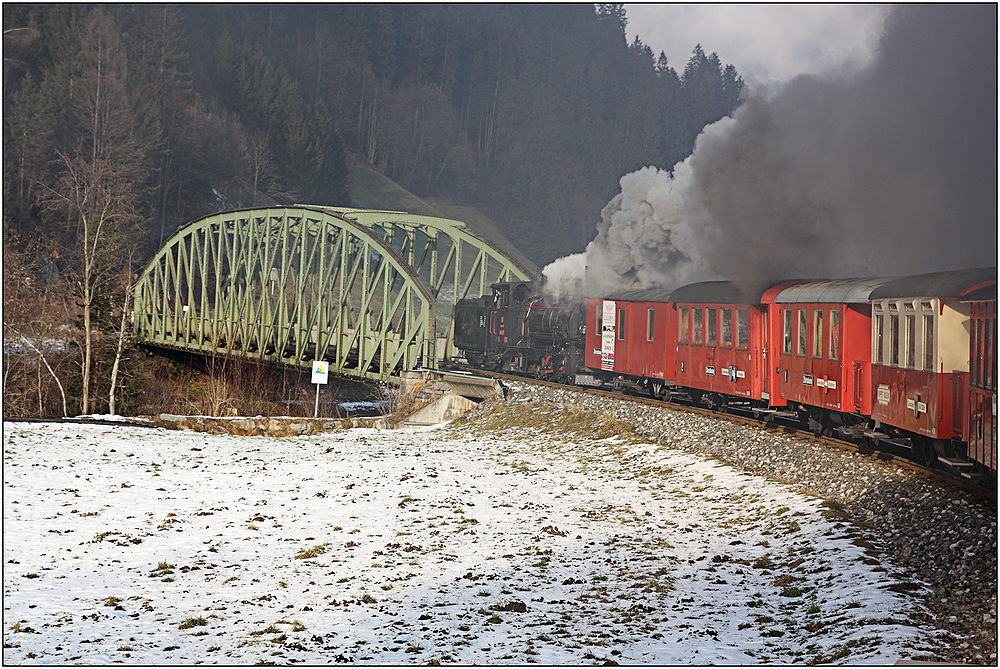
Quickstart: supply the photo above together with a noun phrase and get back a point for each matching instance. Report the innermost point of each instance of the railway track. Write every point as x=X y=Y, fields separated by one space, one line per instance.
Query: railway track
x=980 y=491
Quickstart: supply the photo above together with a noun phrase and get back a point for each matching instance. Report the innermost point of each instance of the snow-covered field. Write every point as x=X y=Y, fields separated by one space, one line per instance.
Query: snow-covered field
x=123 y=544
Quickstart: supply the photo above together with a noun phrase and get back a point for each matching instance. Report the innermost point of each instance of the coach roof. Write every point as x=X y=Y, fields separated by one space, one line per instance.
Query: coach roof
x=647 y=295
x=838 y=291
x=723 y=292
x=981 y=294
x=935 y=284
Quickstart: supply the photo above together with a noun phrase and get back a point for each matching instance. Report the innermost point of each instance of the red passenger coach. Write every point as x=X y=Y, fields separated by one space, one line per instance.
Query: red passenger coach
x=722 y=341
x=981 y=426
x=630 y=335
x=920 y=358
x=822 y=348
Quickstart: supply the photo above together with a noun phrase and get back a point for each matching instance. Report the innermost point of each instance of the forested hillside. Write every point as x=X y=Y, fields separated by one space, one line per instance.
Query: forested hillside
x=123 y=122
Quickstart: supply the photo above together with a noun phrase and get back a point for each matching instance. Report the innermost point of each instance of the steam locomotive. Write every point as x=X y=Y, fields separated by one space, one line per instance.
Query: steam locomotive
x=514 y=330
x=908 y=362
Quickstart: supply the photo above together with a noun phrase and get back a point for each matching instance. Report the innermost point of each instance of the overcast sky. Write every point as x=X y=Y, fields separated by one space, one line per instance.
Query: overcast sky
x=765 y=42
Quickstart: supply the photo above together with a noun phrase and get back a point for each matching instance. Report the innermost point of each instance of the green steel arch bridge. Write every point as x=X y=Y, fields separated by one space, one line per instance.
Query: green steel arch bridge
x=371 y=292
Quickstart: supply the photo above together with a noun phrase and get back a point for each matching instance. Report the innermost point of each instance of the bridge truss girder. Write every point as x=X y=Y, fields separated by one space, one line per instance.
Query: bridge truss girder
x=372 y=292
x=450 y=258
x=288 y=286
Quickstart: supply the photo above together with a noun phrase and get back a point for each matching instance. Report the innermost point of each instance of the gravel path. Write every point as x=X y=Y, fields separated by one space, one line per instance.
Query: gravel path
x=946 y=538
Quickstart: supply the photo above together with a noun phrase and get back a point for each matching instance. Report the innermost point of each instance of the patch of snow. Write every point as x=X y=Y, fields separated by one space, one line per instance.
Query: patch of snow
x=147 y=546
x=358 y=407
x=109 y=417
x=47 y=345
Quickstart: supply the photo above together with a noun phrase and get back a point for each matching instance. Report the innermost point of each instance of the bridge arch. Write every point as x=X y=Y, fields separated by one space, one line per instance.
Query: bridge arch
x=288 y=285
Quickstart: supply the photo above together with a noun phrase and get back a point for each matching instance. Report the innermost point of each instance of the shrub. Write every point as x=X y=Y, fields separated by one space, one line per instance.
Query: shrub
x=192 y=622
x=307 y=553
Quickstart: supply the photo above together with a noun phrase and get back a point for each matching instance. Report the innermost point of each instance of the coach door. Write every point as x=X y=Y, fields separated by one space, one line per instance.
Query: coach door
x=765 y=365
x=859 y=385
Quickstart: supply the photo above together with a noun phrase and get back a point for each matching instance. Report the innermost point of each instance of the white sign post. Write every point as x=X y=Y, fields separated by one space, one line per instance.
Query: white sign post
x=321 y=370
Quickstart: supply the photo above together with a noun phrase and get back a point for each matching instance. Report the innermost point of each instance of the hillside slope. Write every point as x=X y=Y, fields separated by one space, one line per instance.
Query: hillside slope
x=371 y=190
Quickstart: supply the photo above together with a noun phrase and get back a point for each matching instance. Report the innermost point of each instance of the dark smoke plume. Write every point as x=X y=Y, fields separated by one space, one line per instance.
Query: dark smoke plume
x=887 y=170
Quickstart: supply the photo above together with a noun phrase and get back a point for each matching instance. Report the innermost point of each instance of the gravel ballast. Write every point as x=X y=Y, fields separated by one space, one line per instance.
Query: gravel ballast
x=943 y=535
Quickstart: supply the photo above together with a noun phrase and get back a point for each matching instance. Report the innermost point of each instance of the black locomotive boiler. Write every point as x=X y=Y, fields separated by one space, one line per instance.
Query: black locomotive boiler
x=514 y=330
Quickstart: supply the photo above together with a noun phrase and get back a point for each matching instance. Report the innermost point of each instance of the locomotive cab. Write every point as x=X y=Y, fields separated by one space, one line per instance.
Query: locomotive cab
x=511 y=295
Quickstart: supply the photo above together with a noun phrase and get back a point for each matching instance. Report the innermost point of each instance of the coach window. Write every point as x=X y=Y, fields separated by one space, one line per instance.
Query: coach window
x=929 y=342
x=788 y=332
x=879 y=325
x=698 y=336
x=834 y=334
x=982 y=355
x=894 y=339
x=986 y=355
x=976 y=367
x=991 y=363
x=802 y=333
x=742 y=329
x=727 y=328
x=649 y=325
x=818 y=333
x=621 y=324
x=911 y=340
x=976 y=375
x=682 y=336
x=710 y=326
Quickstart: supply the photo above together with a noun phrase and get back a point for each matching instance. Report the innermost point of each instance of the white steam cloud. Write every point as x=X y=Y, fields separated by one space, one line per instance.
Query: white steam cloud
x=883 y=171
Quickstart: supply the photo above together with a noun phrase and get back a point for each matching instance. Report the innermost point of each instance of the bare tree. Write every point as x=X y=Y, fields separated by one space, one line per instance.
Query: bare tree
x=123 y=333
x=95 y=192
x=262 y=171
x=99 y=199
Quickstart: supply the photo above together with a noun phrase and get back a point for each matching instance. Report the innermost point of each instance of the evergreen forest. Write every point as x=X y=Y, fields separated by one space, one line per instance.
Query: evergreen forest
x=122 y=122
